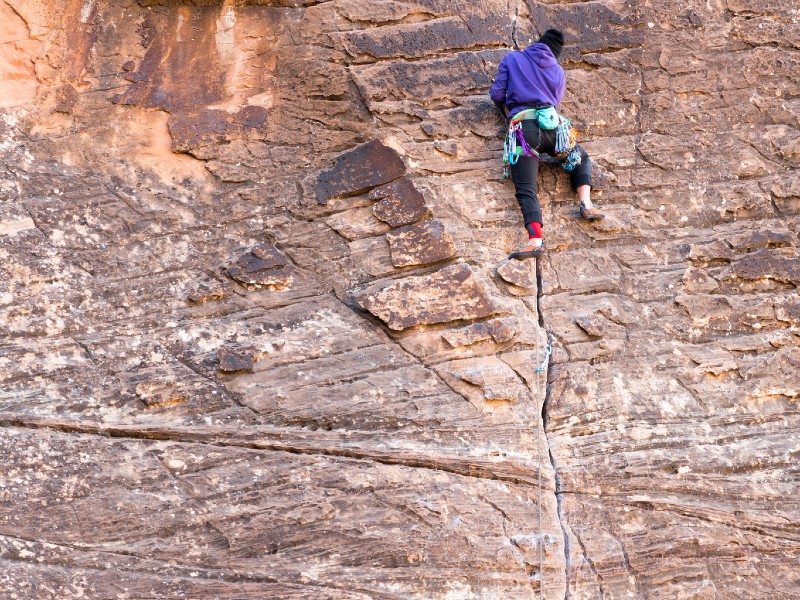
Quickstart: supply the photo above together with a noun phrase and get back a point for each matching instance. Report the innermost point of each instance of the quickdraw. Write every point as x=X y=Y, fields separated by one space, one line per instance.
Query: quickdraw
x=545 y=361
x=567 y=145
x=515 y=144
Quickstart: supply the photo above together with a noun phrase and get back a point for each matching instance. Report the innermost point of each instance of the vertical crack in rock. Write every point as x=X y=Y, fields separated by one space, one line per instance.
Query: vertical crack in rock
x=16 y=12
x=592 y=567
x=553 y=464
x=404 y=456
x=514 y=29
x=628 y=567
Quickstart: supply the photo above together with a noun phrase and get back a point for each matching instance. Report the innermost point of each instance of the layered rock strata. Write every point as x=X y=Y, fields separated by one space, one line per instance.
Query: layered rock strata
x=261 y=339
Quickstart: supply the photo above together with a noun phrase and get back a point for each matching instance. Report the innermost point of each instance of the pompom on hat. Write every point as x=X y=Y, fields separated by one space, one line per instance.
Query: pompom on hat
x=554 y=40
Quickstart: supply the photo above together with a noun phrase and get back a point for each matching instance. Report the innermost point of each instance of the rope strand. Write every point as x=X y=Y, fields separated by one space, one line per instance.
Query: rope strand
x=539 y=471
x=539 y=370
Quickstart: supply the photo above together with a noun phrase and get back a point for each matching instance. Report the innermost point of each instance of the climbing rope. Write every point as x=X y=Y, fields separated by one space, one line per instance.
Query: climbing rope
x=539 y=369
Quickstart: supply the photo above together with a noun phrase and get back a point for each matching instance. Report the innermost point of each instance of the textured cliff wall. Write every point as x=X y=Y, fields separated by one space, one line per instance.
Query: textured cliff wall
x=260 y=339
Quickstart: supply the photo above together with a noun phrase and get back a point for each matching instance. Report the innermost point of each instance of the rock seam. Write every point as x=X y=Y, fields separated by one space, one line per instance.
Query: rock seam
x=545 y=402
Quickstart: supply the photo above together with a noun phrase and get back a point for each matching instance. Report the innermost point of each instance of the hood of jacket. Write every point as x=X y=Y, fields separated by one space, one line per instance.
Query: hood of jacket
x=528 y=78
x=540 y=55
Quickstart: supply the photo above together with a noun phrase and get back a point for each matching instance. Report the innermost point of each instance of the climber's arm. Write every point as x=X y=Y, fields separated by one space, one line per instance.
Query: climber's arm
x=499 y=87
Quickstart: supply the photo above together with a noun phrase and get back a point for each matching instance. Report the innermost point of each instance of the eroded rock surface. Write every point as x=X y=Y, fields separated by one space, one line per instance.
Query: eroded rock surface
x=420 y=244
x=448 y=295
x=260 y=337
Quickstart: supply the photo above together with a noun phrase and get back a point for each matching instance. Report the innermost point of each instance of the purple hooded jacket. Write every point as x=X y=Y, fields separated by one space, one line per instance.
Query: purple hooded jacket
x=528 y=78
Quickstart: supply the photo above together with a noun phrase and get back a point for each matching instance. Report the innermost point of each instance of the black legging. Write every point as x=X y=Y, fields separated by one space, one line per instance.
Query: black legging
x=525 y=173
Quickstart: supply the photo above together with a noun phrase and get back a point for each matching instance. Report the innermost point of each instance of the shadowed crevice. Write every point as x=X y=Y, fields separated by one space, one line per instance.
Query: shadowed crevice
x=545 y=406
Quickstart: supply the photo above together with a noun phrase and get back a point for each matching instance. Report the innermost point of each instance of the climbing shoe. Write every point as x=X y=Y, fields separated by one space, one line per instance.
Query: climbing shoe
x=528 y=251
x=591 y=214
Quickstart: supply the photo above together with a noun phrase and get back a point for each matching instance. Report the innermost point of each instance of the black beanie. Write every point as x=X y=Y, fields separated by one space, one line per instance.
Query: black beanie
x=554 y=40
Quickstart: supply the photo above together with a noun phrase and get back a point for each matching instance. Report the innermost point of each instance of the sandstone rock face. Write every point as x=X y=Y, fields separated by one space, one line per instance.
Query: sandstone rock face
x=420 y=244
x=400 y=203
x=449 y=295
x=260 y=338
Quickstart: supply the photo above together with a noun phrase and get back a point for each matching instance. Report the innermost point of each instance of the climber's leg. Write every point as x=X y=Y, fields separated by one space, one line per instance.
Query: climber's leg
x=525 y=175
x=581 y=179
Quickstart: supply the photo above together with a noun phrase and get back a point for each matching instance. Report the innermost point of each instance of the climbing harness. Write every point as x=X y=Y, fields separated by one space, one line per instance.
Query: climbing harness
x=539 y=369
x=515 y=144
x=547 y=118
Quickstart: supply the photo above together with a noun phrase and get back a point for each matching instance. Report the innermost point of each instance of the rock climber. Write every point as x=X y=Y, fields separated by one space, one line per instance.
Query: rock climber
x=528 y=89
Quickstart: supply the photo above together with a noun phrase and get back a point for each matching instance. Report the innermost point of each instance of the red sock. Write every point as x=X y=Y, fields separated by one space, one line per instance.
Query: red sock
x=534 y=230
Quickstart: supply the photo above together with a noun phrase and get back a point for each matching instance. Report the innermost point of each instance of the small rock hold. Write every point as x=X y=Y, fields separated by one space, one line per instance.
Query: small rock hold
x=450 y=294
x=788 y=311
x=591 y=324
x=66 y=97
x=509 y=556
x=495 y=329
x=370 y=165
x=519 y=273
x=601 y=178
x=159 y=393
x=762 y=239
x=496 y=382
x=400 y=203
x=419 y=244
x=210 y=289
x=235 y=358
x=694 y=19
x=528 y=543
x=614 y=222
x=272 y=346
x=767 y=264
x=262 y=265
x=269 y=254
x=501 y=331
x=448 y=147
x=698 y=280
